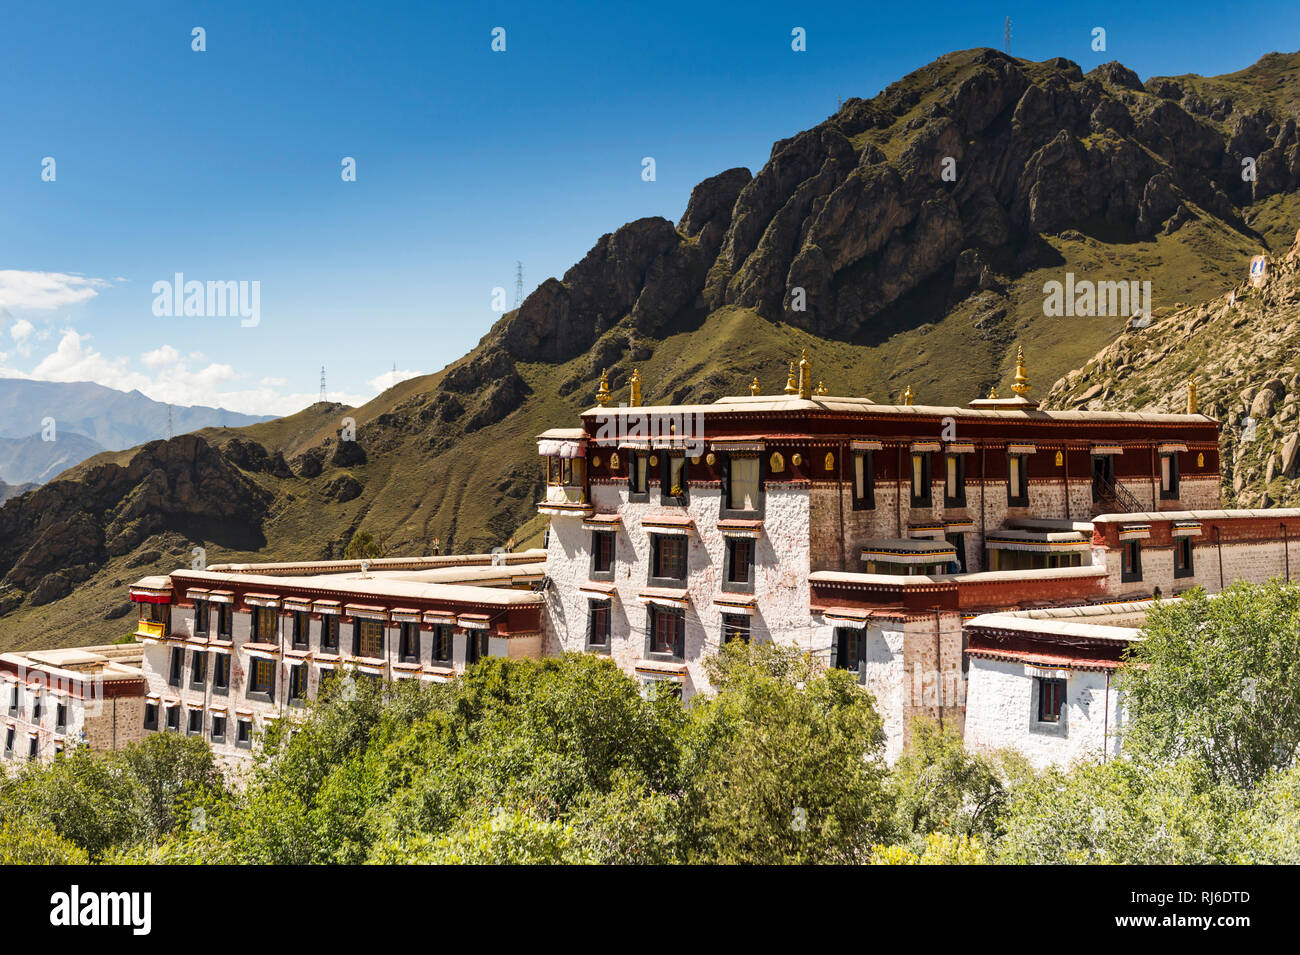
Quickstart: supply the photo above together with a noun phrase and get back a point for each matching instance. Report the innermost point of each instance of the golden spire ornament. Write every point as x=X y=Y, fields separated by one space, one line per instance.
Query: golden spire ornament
x=821 y=389
x=993 y=391
x=602 y=393
x=908 y=396
x=1021 y=386
x=754 y=388
x=635 y=399
x=805 y=375
x=1191 y=396
x=790 y=387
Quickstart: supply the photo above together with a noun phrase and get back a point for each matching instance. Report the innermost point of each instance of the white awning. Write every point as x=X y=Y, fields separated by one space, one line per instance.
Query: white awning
x=551 y=448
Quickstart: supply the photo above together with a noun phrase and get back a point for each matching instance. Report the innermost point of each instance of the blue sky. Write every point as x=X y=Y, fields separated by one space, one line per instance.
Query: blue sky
x=224 y=165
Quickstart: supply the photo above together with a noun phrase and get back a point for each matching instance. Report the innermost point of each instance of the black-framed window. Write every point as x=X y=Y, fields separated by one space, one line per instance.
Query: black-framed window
x=225 y=621
x=261 y=678
x=1184 y=565
x=301 y=630
x=954 y=480
x=668 y=559
x=201 y=615
x=368 y=638
x=32 y=744
x=408 y=642
x=735 y=626
x=441 y=641
x=174 y=718
x=674 y=479
x=476 y=646
x=15 y=697
x=221 y=673
x=1018 y=480
x=38 y=707
x=666 y=636
x=194 y=725
x=244 y=733
x=176 y=669
x=638 y=471
x=199 y=669
x=329 y=632
x=60 y=717
x=298 y=681
x=598 y=625
x=1131 y=561
x=150 y=715
x=262 y=625
x=739 y=570
x=742 y=485
x=217 y=733
x=864 y=480
x=602 y=555
x=922 y=485
x=1051 y=699
x=10 y=733
x=1168 y=477
x=848 y=649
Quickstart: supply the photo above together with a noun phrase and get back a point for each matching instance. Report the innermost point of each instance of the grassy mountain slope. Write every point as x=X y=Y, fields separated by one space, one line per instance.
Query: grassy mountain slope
x=908 y=279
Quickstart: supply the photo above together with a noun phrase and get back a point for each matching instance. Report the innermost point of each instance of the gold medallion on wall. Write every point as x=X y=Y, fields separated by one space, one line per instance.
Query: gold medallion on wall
x=776 y=463
x=830 y=461
x=613 y=461
x=1060 y=459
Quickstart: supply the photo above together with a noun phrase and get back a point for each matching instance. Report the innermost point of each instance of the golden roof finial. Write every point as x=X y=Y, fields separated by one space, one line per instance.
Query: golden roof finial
x=790 y=387
x=993 y=391
x=602 y=393
x=1021 y=386
x=635 y=399
x=908 y=396
x=821 y=388
x=1191 y=396
x=805 y=375
x=754 y=388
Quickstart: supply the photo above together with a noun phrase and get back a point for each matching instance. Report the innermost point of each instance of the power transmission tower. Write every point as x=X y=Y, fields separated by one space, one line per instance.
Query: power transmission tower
x=171 y=433
x=322 y=382
x=1006 y=37
x=519 y=284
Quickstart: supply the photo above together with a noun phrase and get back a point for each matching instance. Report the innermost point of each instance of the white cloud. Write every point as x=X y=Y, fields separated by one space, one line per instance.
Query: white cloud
x=21 y=330
x=45 y=290
x=166 y=355
x=389 y=378
x=164 y=374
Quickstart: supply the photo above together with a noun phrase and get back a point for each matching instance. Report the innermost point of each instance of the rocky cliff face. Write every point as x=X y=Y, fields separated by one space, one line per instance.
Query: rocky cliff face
x=1242 y=349
x=62 y=533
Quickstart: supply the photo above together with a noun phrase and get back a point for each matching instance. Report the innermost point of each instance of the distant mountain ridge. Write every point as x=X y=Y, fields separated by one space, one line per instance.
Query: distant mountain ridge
x=113 y=419
x=33 y=460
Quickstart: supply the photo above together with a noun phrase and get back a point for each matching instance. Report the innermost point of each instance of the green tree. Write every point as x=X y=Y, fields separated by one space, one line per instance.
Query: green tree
x=1218 y=678
x=25 y=843
x=941 y=787
x=1125 y=812
x=788 y=764
x=363 y=546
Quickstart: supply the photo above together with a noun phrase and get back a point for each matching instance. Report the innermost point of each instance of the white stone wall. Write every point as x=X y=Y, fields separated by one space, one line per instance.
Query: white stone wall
x=885 y=679
x=1252 y=562
x=780 y=576
x=1001 y=714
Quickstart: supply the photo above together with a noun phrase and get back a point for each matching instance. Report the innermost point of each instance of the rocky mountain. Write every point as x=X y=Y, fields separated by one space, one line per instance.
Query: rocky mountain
x=110 y=418
x=1242 y=350
x=34 y=460
x=904 y=241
